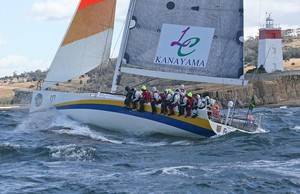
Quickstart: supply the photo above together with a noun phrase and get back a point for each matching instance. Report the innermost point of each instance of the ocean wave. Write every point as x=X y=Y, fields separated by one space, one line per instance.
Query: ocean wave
x=296 y=128
x=6 y=146
x=174 y=170
x=72 y=152
x=285 y=168
x=54 y=121
x=85 y=132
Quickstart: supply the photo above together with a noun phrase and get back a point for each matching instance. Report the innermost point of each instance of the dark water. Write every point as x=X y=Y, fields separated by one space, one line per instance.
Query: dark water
x=48 y=153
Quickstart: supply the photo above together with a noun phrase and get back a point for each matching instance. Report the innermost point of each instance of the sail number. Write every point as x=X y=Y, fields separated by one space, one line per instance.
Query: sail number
x=52 y=98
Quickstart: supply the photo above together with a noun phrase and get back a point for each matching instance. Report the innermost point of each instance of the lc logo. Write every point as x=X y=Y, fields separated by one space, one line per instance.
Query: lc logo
x=190 y=43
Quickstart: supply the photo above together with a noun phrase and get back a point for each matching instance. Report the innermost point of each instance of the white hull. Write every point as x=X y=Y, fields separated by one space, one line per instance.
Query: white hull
x=106 y=111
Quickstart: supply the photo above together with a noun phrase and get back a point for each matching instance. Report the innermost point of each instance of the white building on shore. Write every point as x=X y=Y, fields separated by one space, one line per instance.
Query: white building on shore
x=270 y=47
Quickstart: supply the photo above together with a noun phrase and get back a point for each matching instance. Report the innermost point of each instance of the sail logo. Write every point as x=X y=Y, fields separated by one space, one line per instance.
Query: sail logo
x=186 y=46
x=189 y=42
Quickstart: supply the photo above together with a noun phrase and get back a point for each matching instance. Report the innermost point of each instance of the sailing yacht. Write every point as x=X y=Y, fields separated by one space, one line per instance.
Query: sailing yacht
x=188 y=40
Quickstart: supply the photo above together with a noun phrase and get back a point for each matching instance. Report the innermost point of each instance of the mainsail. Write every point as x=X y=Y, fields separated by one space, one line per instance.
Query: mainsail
x=87 y=42
x=195 y=40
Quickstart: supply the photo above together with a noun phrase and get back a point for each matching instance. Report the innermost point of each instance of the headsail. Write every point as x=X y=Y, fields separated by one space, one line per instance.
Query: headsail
x=193 y=40
x=87 y=42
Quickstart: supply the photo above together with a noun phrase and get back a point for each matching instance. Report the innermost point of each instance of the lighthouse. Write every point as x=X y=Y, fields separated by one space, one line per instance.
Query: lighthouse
x=270 y=47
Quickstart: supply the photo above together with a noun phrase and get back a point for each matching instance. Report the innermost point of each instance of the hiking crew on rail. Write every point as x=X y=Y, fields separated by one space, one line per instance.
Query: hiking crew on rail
x=187 y=103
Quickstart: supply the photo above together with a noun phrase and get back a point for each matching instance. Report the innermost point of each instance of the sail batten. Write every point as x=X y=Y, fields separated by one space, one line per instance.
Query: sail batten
x=87 y=42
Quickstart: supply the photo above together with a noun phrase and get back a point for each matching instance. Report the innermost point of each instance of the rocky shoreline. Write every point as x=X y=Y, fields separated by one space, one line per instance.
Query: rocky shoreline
x=269 y=90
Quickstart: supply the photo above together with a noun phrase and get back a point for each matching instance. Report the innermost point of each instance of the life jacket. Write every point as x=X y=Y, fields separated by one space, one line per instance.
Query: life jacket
x=195 y=102
x=190 y=102
x=169 y=97
x=156 y=96
x=147 y=96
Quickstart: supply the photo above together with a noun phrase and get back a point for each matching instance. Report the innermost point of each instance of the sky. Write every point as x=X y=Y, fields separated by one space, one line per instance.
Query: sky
x=32 y=30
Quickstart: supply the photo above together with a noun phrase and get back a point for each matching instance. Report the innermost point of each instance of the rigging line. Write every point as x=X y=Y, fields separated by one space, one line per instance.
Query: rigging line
x=115 y=46
x=259 y=21
x=112 y=15
x=221 y=42
x=141 y=83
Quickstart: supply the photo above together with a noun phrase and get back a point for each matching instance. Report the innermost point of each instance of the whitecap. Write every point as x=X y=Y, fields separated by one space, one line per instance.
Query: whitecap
x=285 y=168
x=176 y=170
x=8 y=145
x=283 y=107
x=297 y=128
x=182 y=143
x=71 y=152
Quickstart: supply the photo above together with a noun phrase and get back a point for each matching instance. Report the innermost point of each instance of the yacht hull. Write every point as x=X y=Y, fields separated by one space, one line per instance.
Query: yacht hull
x=107 y=111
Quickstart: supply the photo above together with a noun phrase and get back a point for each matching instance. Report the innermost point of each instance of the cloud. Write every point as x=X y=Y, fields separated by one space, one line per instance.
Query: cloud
x=20 y=64
x=53 y=9
x=284 y=13
x=64 y=9
x=2 y=42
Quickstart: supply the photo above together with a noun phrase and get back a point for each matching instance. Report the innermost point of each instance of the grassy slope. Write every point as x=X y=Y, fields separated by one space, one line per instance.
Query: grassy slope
x=7 y=89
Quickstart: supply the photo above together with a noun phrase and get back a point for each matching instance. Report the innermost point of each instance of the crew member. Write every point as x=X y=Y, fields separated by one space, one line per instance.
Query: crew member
x=163 y=97
x=182 y=90
x=174 y=102
x=128 y=98
x=145 y=98
x=196 y=104
x=135 y=98
x=182 y=104
x=155 y=99
x=168 y=99
x=189 y=104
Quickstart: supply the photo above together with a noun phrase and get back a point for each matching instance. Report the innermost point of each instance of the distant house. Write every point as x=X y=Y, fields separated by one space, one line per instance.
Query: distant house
x=289 y=33
x=298 y=32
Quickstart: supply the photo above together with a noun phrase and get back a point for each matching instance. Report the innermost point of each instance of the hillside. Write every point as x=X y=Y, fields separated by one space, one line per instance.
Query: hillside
x=101 y=78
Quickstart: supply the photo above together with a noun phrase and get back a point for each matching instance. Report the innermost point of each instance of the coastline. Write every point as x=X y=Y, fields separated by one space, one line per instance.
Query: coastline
x=288 y=103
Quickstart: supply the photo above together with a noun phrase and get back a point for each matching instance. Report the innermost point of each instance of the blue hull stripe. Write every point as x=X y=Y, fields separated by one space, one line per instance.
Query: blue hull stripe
x=147 y=115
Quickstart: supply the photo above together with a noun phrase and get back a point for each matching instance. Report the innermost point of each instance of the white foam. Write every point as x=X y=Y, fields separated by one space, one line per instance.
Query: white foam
x=283 y=107
x=182 y=143
x=44 y=121
x=297 y=128
x=285 y=168
x=71 y=152
x=86 y=132
x=175 y=170
x=10 y=145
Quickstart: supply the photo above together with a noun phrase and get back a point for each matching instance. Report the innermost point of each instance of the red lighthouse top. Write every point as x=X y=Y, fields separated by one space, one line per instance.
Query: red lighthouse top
x=270 y=32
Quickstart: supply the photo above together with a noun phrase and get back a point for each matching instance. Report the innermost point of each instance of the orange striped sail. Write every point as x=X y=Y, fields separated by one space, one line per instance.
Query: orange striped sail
x=87 y=42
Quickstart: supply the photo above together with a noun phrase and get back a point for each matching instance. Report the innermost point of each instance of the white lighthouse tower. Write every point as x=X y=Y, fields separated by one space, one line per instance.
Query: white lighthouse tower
x=270 y=47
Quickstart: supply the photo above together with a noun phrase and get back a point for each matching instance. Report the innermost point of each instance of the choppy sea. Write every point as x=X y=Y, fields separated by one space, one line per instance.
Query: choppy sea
x=50 y=153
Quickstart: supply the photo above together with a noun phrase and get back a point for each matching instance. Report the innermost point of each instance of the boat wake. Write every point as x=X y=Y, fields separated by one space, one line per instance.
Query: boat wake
x=53 y=121
x=256 y=131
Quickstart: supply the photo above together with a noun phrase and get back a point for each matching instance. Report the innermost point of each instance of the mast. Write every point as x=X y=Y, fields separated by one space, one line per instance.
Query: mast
x=122 y=47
